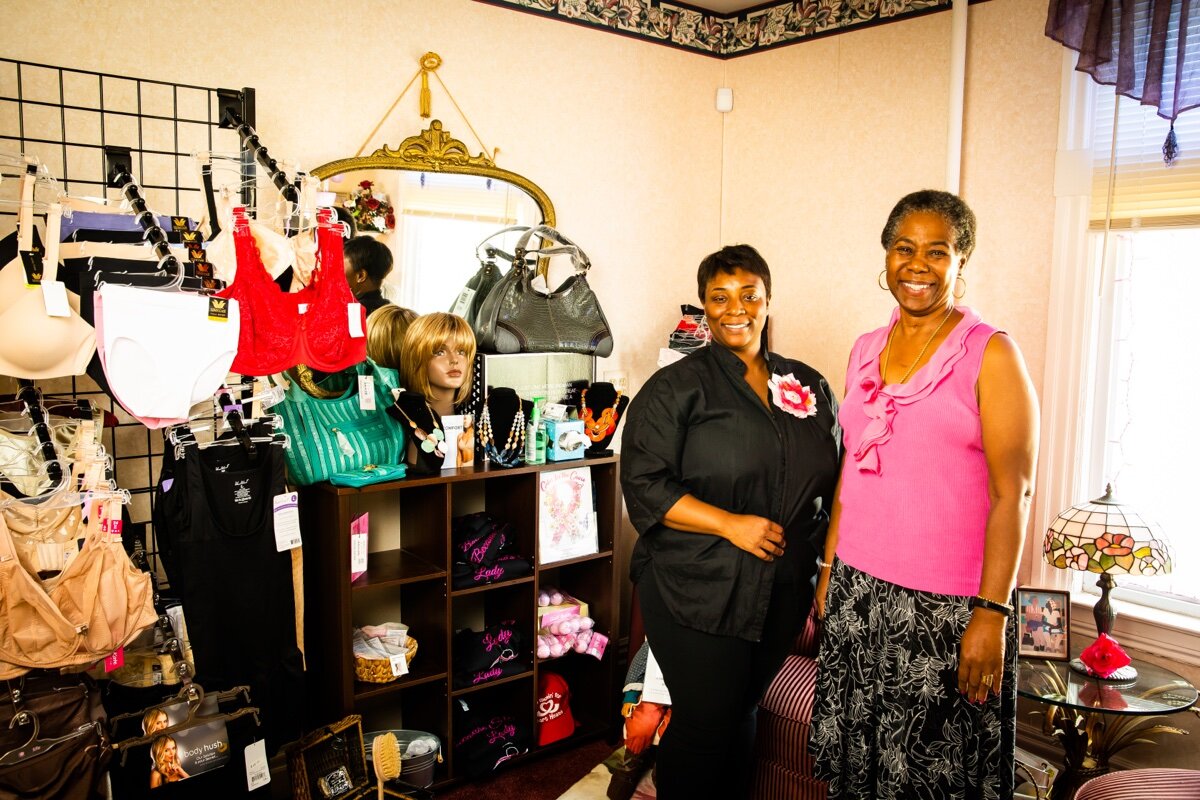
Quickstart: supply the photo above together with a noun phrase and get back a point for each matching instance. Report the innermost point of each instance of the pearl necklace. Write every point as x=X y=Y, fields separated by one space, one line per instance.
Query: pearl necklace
x=888 y=353
x=514 y=445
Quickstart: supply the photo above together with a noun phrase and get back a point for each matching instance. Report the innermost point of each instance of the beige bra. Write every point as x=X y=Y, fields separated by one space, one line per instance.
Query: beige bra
x=34 y=344
x=21 y=455
x=100 y=602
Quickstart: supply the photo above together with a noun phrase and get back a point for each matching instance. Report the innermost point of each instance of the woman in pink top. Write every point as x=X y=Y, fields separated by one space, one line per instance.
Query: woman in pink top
x=915 y=695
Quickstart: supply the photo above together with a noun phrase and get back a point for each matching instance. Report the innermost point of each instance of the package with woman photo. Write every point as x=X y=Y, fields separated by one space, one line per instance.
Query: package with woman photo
x=186 y=753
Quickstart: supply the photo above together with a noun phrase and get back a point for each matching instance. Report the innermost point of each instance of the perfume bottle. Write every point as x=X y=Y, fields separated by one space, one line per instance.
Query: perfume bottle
x=535 y=436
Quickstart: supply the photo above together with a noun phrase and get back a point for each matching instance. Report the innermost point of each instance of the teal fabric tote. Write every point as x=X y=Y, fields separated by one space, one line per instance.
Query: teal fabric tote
x=336 y=435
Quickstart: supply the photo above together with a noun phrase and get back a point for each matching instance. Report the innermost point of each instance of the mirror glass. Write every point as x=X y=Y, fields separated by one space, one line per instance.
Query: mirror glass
x=432 y=204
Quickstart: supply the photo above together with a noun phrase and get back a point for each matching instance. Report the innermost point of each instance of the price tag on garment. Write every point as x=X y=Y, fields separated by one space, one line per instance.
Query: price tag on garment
x=399 y=665
x=355 y=316
x=54 y=293
x=366 y=392
x=359 y=527
x=115 y=660
x=302 y=308
x=463 y=302
x=31 y=260
x=287 y=521
x=257 y=772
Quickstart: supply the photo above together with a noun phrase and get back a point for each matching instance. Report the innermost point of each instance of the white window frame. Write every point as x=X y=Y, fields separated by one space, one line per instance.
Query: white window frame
x=1065 y=472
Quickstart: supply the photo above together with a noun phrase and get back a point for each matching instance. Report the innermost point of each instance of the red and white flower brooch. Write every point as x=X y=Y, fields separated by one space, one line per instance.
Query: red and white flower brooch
x=788 y=394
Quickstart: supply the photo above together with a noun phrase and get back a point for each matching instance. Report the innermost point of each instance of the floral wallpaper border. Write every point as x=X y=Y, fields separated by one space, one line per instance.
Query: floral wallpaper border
x=726 y=36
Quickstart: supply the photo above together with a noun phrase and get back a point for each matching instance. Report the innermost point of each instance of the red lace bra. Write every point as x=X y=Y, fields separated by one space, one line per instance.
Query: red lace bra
x=312 y=326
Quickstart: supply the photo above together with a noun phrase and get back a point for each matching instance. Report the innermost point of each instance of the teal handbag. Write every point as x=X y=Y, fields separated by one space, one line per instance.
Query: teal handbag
x=336 y=435
x=371 y=473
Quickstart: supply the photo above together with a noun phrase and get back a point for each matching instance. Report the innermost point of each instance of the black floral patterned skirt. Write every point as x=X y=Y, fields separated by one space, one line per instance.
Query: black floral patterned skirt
x=888 y=720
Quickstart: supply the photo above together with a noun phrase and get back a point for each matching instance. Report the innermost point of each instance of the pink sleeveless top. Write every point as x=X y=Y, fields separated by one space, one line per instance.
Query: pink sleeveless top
x=914 y=483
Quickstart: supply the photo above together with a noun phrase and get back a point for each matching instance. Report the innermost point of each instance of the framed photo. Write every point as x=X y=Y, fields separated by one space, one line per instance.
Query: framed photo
x=1044 y=624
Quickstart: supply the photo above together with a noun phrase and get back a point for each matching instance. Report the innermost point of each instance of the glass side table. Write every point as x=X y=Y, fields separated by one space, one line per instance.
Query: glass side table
x=1094 y=719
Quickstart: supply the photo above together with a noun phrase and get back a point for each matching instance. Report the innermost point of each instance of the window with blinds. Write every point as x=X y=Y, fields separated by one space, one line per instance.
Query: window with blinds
x=1145 y=192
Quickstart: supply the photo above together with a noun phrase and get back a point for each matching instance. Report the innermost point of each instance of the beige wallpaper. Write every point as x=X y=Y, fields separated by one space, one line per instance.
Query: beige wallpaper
x=827 y=136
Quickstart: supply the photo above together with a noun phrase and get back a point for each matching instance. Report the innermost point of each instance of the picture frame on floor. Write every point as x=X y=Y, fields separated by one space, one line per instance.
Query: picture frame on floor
x=1044 y=624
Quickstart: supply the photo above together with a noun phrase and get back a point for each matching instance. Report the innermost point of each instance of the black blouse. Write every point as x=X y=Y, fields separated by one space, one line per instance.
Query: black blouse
x=698 y=428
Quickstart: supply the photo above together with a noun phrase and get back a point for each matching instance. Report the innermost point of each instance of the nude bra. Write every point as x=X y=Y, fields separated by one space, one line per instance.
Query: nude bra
x=34 y=344
x=312 y=326
x=99 y=603
x=274 y=248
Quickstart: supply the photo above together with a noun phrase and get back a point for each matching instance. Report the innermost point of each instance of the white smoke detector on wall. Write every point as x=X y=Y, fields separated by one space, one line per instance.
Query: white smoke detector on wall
x=724 y=100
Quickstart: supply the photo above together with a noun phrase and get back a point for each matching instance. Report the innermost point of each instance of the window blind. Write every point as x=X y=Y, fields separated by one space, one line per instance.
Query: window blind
x=1146 y=193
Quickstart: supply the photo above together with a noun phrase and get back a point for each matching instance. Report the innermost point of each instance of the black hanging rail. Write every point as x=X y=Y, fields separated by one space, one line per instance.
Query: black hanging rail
x=251 y=142
x=155 y=235
x=28 y=394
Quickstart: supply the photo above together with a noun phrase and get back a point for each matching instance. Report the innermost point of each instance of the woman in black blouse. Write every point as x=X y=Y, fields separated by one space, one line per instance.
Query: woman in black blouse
x=728 y=464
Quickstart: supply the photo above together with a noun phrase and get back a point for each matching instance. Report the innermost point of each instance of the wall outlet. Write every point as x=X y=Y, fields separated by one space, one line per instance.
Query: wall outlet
x=619 y=380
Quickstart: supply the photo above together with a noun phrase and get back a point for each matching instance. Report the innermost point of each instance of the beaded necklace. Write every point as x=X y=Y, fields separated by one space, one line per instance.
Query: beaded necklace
x=597 y=429
x=432 y=441
x=514 y=445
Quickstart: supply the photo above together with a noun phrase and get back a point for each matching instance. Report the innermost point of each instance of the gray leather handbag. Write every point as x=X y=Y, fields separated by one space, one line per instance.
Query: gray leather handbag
x=516 y=318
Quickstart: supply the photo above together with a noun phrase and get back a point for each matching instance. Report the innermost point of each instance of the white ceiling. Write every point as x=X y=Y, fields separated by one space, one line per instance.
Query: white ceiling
x=724 y=6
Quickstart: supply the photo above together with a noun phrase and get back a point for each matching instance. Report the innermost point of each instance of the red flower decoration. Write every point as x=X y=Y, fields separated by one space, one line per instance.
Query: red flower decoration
x=1104 y=656
x=1115 y=544
x=365 y=185
x=788 y=394
x=390 y=221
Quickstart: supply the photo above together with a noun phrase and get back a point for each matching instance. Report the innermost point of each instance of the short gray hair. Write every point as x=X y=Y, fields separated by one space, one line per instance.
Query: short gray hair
x=950 y=207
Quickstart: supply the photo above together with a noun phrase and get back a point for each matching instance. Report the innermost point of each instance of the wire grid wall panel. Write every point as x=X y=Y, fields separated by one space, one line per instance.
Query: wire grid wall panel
x=65 y=117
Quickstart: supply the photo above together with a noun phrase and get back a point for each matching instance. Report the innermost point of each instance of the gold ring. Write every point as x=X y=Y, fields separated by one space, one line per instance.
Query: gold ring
x=988 y=680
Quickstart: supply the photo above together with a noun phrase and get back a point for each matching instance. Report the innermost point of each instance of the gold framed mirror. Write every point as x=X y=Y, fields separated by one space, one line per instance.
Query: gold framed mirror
x=443 y=201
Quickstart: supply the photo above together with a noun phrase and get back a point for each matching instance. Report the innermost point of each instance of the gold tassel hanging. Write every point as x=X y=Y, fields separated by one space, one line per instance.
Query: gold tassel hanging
x=429 y=63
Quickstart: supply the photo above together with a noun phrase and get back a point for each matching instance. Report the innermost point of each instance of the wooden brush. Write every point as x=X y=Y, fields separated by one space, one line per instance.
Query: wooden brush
x=385 y=755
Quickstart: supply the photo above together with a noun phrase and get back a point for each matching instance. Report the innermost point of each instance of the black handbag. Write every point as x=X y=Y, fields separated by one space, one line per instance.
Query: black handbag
x=479 y=285
x=515 y=318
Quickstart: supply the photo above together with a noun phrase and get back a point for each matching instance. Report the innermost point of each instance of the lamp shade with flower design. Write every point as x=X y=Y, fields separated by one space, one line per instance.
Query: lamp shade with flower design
x=1109 y=538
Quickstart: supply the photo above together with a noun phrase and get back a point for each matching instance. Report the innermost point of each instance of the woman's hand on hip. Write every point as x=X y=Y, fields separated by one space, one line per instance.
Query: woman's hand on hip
x=981 y=656
x=758 y=536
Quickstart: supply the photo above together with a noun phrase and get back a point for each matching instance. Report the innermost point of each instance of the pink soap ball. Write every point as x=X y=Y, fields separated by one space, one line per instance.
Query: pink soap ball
x=586 y=623
x=582 y=639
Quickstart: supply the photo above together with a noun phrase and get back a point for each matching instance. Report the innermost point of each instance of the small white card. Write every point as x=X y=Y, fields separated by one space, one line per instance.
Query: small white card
x=366 y=392
x=54 y=293
x=354 y=313
x=257 y=772
x=287 y=521
x=654 y=688
x=399 y=665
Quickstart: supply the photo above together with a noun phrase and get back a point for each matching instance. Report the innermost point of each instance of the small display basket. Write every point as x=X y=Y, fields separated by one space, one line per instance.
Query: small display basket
x=379 y=670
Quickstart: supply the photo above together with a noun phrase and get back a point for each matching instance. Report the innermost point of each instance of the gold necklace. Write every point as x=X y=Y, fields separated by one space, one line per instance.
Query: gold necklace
x=888 y=353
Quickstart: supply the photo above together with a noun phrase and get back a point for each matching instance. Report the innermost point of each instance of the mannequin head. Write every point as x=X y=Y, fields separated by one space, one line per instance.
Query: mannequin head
x=367 y=262
x=386 y=327
x=438 y=357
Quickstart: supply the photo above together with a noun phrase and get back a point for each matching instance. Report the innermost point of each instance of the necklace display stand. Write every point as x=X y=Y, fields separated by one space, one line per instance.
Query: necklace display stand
x=426 y=447
x=601 y=407
x=501 y=427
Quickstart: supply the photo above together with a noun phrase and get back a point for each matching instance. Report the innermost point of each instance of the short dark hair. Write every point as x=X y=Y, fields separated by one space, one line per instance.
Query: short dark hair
x=369 y=255
x=728 y=260
x=950 y=207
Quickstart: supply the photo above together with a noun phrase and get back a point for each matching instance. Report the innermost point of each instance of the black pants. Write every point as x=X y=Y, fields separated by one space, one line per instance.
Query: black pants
x=715 y=684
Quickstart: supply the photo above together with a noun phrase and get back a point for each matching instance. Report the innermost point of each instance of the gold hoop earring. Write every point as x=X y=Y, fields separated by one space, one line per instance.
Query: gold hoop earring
x=958 y=296
x=879 y=280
